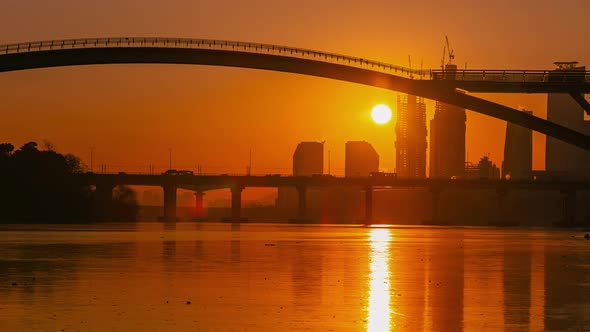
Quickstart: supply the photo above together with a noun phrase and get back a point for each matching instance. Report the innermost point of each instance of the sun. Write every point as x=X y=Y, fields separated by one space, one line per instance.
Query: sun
x=381 y=114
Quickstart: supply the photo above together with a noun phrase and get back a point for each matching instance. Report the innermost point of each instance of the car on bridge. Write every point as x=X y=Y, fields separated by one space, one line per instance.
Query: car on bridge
x=382 y=175
x=177 y=172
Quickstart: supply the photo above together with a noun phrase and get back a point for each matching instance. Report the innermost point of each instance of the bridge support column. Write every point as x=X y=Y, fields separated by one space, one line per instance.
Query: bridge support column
x=435 y=203
x=199 y=210
x=569 y=208
x=236 y=205
x=104 y=201
x=499 y=214
x=302 y=206
x=302 y=201
x=368 y=205
x=169 y=203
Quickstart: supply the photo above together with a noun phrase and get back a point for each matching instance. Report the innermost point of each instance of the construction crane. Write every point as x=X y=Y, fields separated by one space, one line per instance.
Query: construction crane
x=451 y=52
x=442 y=61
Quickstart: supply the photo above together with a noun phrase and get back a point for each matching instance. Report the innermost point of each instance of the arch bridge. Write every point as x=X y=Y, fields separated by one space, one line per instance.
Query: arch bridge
x=445 y=86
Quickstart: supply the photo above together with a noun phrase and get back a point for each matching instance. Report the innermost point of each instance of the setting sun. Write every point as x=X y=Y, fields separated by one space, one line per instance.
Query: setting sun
x=381 y=114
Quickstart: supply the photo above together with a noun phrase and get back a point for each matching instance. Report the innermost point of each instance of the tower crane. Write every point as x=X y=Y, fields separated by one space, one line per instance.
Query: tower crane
x=451 y=52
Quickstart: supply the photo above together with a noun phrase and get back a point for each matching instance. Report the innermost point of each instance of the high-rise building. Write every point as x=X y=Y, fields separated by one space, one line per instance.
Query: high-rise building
x=447 y=141
x=447 y=137
x=561 y=157
x=518 y=152
x=411 y=137
x=308 y=159
x=360 y=159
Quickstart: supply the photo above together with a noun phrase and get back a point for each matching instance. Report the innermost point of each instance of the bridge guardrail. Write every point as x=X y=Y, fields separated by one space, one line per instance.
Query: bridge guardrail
x=525 y=76
x=249 y=47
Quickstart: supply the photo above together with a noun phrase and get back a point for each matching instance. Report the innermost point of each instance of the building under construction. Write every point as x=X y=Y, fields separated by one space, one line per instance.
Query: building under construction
x=447 y=137
x=410 y=130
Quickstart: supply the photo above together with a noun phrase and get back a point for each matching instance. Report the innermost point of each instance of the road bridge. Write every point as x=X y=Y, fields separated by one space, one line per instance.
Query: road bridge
x=105 y=183
x=431 y=84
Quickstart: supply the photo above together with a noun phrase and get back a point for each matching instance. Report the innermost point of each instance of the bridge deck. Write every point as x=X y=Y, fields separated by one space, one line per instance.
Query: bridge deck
x=229 y=181
x=428 y=84
x=470 y=80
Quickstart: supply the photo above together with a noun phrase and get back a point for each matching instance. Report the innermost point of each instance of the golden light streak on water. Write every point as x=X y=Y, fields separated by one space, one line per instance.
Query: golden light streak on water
x=379 y=310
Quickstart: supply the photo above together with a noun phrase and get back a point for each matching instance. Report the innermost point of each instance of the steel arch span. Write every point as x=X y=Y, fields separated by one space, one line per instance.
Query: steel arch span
x=425 y=83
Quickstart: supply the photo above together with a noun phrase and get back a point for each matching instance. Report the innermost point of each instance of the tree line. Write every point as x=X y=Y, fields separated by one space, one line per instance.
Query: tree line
x=38 y=186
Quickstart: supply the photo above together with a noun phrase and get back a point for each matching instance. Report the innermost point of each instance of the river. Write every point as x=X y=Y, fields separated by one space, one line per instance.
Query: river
x=279 y=277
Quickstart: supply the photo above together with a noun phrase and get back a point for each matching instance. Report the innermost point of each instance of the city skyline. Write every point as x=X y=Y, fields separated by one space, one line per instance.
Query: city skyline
x=294 y=165
x=135 y=114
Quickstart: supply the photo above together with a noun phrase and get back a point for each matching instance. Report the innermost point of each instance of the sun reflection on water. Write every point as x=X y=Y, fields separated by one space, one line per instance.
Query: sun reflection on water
x=378 y=313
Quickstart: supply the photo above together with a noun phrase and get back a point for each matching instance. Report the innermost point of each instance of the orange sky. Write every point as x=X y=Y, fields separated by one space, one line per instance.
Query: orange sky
x=213 y=116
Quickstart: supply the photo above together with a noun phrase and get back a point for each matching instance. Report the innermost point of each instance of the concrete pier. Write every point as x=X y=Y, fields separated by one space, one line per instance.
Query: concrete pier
x=169 y=203
x=302 y=207
x=199 y=206
x=569 y=209
x=236 y=205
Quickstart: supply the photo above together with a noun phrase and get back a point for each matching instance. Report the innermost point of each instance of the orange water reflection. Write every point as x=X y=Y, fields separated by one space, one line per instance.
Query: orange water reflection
x=379 y=306
x=291 y=278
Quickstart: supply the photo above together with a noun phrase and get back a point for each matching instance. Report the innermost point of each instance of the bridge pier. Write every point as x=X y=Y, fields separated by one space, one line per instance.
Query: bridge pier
x=435 y=204
x=169 y=203
x=104 y=201
x=499 y=214
x=435 y=191
x=368 y=205
x=569 y=208
x=302 y=206
x=236 y=205
x=199 y=210
x=302 y=201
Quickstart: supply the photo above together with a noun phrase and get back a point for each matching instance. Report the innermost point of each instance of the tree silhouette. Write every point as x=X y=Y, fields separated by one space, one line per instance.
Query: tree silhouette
x=40 y=186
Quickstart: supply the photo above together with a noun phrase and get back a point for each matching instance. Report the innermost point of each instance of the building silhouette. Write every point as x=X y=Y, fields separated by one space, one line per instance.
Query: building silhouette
x=560 y=157
x=487 y=169
x=360 y=159
x=447 y=137
x=308 y=159
x=518 y=152
x=411 y=137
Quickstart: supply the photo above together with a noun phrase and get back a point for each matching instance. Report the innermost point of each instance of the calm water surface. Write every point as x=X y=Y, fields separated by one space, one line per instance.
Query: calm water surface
x=260 y=277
